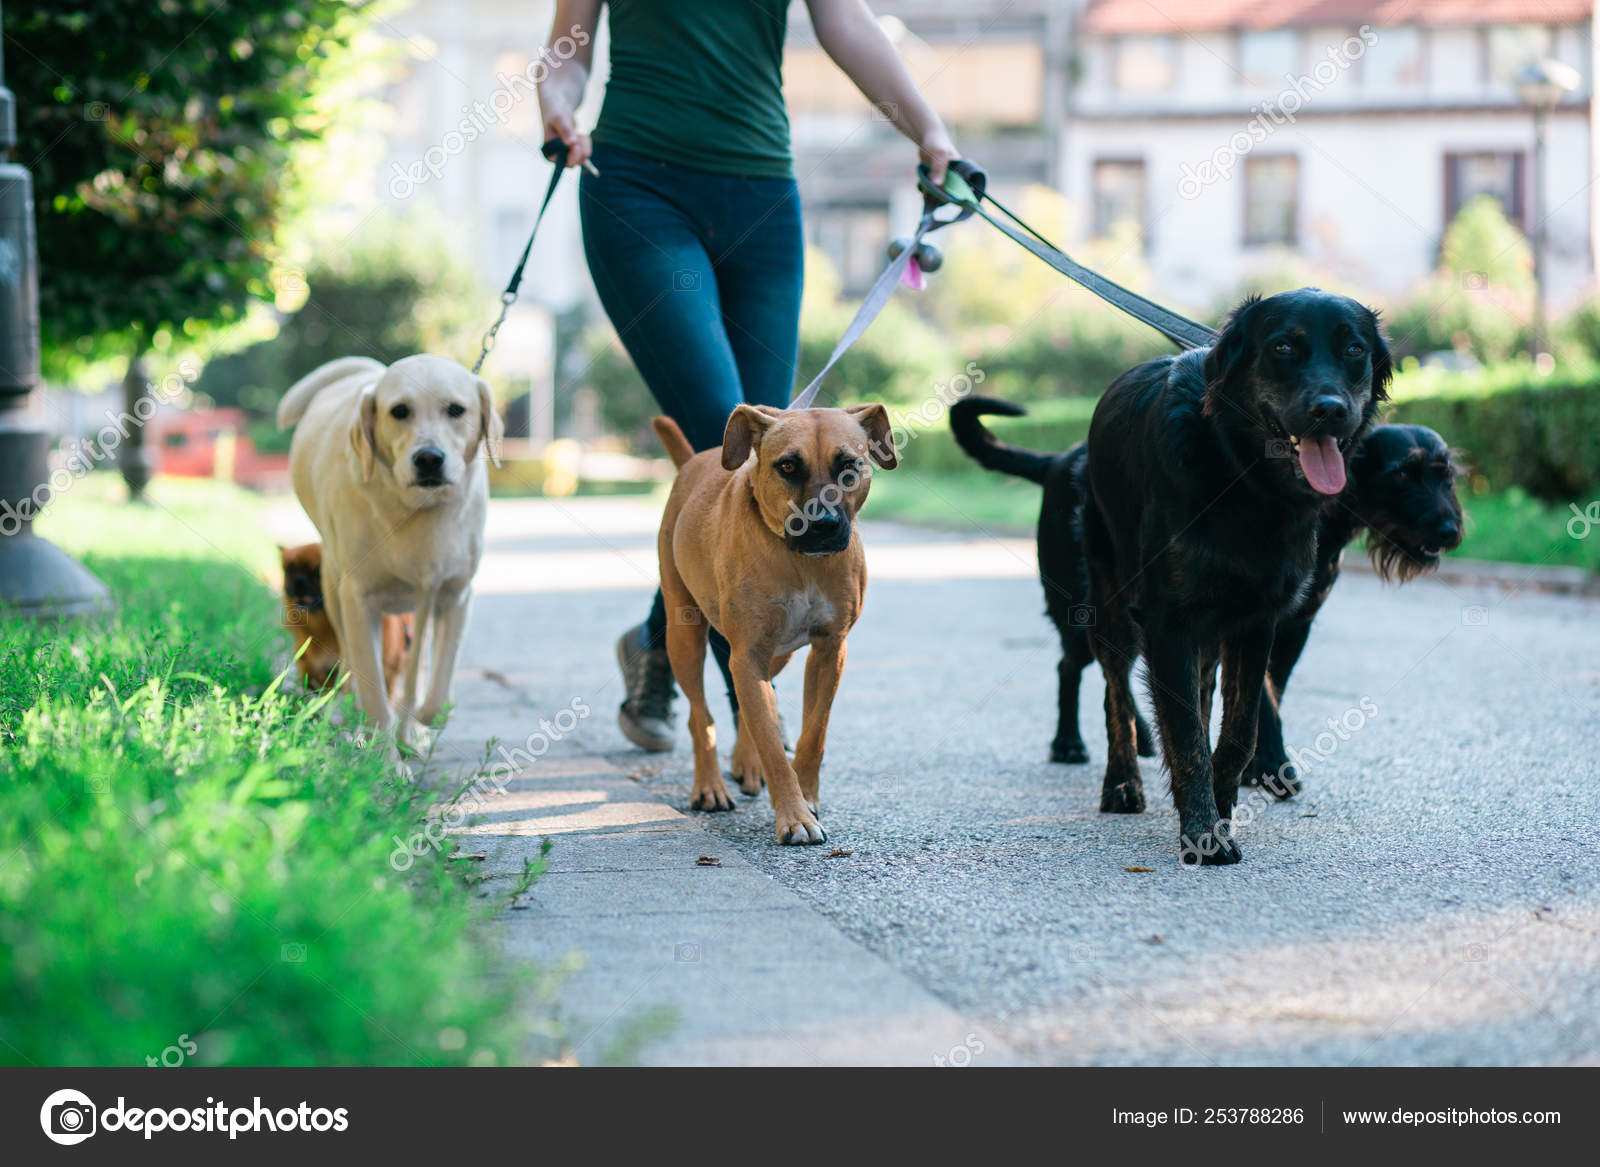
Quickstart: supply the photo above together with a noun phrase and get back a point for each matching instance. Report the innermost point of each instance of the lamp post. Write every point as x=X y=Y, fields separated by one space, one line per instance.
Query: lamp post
x=37 y=578
x=1541 y=85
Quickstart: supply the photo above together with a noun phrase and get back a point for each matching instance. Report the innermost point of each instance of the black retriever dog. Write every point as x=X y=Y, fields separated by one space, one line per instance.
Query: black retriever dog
x=1208 y=473
x=1400 y=491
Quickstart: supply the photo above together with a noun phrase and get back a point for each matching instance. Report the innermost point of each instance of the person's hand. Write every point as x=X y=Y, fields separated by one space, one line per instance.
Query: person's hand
x=560 y=125
x=937 y=151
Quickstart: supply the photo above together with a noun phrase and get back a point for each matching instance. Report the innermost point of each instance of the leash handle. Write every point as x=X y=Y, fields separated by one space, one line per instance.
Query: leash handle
x=556 y=151
x=964 y=185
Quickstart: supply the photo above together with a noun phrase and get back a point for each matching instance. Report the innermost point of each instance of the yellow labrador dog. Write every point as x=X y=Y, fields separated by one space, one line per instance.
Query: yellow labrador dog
x=385 y=461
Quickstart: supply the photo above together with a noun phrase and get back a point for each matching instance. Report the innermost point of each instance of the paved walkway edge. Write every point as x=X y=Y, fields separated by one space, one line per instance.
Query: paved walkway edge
x=690 y=955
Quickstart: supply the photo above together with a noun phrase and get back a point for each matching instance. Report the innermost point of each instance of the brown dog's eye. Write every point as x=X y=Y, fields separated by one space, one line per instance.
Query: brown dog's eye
x=400 y=412
x=455 y=410
x=789 y=468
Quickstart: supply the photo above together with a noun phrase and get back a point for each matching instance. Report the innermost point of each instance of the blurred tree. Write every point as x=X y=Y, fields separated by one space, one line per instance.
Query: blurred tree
x=396 y=287
x=161 y=136
x=1479 y=301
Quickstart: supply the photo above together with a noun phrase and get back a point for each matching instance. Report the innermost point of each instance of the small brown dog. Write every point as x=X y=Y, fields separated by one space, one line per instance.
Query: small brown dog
x=305 y=615
x=764 y=549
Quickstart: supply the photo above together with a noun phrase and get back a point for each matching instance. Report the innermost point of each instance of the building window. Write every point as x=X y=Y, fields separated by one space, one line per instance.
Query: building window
x=1466 y=176
x=1269 y=58
x=1271 y=200
x=1118 y=194
x=1144 y=64
x=1393 y=60
x=1511 y=46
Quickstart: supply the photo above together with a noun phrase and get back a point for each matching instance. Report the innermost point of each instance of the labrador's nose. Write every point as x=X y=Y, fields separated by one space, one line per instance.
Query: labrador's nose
x=429 y=461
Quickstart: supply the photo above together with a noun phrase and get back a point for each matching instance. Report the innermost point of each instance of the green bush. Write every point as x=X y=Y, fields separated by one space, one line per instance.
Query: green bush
x=1515 y=426
x=186 y=850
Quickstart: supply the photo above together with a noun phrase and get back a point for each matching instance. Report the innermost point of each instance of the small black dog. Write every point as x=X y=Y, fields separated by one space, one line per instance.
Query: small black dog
x=1401 y=492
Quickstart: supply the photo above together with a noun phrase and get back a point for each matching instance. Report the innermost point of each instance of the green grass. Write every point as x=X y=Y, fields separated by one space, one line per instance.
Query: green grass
x=1509 y=526
x=187 y=851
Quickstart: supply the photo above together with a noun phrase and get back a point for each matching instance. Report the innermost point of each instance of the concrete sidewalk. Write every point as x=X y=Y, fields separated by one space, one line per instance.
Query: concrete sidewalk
x=1432 y=897
x=689 y=955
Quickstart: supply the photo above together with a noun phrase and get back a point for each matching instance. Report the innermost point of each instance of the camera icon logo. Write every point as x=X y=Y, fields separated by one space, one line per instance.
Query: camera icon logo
x=685 y=280
x=68 y=1117
x=687 y=954
x=1474 y=616
x=95 y=111
x=686 y=615
x=1474 y=281
x=292 y=953
x=1278 y=448
x=1081 y=616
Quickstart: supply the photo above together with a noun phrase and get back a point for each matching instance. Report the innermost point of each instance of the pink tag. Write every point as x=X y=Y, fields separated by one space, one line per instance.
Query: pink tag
x=912 y=276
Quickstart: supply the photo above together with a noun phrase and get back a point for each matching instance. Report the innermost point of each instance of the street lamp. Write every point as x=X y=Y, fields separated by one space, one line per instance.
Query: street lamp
x=37 y=578
x=1541 y=85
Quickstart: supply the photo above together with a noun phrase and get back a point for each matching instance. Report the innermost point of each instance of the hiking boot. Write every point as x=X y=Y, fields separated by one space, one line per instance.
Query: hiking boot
x=646 y=718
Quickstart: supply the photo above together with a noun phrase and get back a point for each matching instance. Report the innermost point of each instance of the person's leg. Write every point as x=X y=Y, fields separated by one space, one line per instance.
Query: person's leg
x=655 y=281
x=758 y=252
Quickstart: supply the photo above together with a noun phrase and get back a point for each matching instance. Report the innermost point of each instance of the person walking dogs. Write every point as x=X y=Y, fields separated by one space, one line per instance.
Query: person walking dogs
x=692 y=225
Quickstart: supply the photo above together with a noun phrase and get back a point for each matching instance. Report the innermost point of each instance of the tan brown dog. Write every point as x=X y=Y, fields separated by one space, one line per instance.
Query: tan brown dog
x=759 y=542
x=305 y=615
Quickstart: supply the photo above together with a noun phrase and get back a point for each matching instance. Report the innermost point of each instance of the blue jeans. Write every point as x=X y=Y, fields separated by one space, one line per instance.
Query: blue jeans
x=700 y=274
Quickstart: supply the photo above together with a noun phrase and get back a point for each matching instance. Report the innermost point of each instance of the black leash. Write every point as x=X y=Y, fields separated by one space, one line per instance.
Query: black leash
x=965 y=189
x=555 y=150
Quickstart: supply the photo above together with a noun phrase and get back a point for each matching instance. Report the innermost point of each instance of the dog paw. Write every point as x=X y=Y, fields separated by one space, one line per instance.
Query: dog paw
x=1073 y=753
x=1122 y=798
x=710 y=797
x=800 y=832
x=1274 y=773
x=746 y=766
x=1213 y=847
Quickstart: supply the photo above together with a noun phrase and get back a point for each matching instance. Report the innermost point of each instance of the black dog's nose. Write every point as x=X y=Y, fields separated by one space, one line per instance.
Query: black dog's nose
x=1447 y=533
x=429 y=461
x=1329 y=411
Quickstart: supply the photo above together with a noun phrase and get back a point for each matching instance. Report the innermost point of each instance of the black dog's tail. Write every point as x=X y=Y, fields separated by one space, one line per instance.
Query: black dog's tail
x=989 y=451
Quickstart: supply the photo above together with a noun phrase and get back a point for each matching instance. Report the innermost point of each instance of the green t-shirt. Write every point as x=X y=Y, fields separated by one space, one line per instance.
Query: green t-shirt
x=699 y=83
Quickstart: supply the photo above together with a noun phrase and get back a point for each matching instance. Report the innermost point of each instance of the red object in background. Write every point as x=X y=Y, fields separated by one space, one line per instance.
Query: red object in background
x=212 y=443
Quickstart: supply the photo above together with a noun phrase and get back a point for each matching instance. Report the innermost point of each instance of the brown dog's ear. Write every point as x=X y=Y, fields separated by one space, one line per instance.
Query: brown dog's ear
x=746 y=426
x=874 y=419
x=491 y=430
x=363 y=439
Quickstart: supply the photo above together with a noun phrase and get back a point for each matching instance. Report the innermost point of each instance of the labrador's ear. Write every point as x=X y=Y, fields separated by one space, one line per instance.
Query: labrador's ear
x=363 y=439
x=491 y=431
x=874 y=419
x=746 y=425
x=1233 y=346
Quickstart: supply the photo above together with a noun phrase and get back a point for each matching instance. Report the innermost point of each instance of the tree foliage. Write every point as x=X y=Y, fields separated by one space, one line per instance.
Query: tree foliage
x=162 y=137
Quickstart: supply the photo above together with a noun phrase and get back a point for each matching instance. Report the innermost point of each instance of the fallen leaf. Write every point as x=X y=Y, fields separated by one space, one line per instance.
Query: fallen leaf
x=840 y=854
x=1138 y=869
x=476 y=858
x=708 y=861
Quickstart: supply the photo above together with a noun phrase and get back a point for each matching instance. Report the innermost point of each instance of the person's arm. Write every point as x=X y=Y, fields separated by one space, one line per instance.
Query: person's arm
x=849 y=33
x=561 y=91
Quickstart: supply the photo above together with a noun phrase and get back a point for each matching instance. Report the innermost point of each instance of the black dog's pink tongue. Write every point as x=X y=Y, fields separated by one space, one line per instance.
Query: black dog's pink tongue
x=1323 y=466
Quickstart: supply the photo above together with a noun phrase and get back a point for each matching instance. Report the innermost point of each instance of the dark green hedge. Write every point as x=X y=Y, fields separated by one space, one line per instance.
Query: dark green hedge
x=1514 y=426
